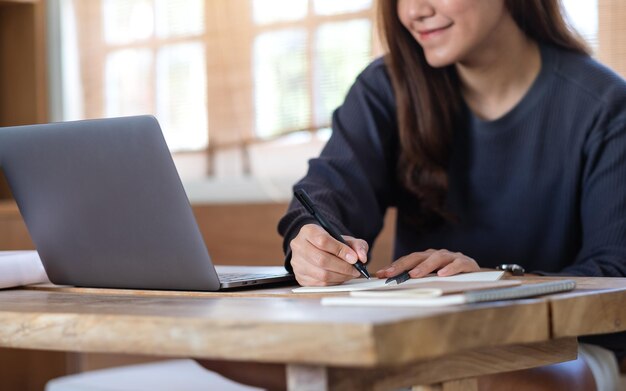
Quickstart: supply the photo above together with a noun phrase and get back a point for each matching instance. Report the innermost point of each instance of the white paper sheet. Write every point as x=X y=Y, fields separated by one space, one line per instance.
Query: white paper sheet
x=394 y=302
x=375 y=283
x=19 y=268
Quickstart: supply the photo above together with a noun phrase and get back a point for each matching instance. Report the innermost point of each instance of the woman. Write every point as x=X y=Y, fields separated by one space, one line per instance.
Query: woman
x=498 y=139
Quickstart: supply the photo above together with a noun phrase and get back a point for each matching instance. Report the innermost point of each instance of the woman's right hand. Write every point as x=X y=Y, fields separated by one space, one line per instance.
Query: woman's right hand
x=319 y=260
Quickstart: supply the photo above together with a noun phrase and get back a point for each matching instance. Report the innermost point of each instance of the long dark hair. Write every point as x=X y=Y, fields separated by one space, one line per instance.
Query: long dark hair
x=429 y=100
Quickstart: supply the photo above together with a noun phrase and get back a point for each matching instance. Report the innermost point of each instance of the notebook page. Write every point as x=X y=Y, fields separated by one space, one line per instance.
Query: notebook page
x=376 y=283
x=434 y=289
x=395 y=302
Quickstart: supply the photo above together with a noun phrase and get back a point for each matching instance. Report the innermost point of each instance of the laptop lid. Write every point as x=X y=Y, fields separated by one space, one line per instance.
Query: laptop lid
x=105 y=206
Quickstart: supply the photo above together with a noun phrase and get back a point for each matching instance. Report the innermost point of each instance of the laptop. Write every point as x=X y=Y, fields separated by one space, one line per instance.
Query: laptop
x=105 y=207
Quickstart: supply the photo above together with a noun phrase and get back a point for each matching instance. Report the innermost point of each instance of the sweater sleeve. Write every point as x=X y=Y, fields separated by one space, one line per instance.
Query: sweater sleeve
x=352 y=180
x=603 y=204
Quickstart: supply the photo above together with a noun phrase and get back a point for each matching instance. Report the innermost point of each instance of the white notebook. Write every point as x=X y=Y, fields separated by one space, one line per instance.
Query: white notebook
x=510 y=293
x=19 y=268
x=361 y=284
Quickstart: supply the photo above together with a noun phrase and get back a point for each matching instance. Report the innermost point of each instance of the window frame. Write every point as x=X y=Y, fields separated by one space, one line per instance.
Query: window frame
x=228 y=23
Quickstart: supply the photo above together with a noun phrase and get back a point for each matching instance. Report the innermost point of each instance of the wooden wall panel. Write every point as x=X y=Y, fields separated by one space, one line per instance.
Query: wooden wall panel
x=13 y=232
x=23 y=64
x=246 y=234
x=30 y=370
x=5 y=191
x=23 y=67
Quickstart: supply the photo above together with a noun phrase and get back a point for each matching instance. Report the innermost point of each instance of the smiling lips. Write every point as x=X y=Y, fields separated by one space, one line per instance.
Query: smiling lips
x=430 y=33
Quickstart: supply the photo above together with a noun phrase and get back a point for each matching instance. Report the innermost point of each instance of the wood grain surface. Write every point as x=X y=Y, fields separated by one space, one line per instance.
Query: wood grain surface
x=595 y=307
x=391 y=346
x=23 y=63
x=259 y=329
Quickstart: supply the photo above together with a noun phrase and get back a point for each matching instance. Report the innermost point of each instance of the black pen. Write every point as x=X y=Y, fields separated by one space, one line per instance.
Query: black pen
x=304 y=199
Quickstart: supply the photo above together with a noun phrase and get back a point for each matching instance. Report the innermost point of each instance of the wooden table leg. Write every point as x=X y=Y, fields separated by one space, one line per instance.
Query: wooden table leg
x=315 y=378
x=307 y=378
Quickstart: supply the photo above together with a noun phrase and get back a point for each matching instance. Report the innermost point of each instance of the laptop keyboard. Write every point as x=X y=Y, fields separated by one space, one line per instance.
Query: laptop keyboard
x=233 y=277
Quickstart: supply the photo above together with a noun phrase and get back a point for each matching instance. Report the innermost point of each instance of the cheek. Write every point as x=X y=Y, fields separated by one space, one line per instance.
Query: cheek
x=403 y=12
x=475 y=20
x=473 y=16
x=465 y=6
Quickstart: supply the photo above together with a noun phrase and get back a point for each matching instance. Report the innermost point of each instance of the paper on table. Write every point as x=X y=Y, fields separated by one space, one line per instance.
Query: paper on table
x=19 y=268
x=402 y=293
x=433 y=289
x=375 y=283
x=395 y=302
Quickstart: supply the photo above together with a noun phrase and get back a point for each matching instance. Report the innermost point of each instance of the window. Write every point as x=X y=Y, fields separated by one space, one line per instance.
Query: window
x=583 y=16
x=306 y=55
x=600 y=22
x=150 y=58
x=214 y=71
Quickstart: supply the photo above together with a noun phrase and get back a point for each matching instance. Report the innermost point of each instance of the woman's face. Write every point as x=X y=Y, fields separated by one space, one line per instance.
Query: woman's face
x=450 y=31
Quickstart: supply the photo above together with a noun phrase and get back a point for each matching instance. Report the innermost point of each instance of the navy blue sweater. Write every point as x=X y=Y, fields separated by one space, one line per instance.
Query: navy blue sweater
x=544 y=186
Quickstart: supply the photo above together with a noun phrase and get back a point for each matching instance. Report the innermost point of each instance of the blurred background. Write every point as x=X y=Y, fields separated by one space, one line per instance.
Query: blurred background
x=244 y=89
x=240 y=86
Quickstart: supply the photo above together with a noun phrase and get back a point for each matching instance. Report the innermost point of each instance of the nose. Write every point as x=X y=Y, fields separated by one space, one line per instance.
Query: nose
x=417 y=9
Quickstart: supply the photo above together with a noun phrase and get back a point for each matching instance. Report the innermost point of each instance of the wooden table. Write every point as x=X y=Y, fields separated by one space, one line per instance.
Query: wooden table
x=324 y=347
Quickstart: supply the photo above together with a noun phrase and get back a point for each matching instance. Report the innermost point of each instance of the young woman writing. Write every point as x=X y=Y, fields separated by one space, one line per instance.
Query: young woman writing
x=498 y=139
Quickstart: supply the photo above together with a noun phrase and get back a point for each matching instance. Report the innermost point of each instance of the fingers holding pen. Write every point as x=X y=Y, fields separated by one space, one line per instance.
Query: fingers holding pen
x=309 y=273
x=318 y=259
x=360 y=246
x=319 y=238
x=330 y=253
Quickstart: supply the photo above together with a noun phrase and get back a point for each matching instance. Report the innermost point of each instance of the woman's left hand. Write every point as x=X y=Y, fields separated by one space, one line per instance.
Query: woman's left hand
x=422 y=263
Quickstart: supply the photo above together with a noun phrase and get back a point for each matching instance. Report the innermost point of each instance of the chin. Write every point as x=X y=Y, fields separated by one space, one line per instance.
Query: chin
x=440 y=60
x=443 y=56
